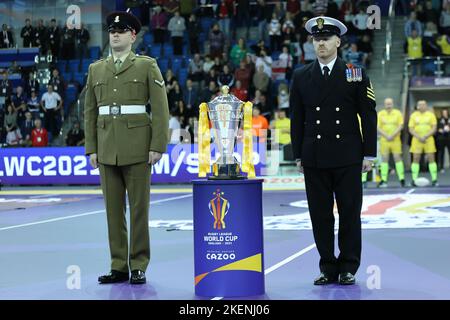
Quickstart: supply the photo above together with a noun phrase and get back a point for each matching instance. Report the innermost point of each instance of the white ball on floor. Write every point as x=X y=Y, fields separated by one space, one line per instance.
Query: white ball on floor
x=422 y=182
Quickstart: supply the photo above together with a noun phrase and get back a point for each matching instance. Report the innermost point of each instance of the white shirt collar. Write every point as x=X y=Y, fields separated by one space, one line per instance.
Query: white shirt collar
x=330 y=65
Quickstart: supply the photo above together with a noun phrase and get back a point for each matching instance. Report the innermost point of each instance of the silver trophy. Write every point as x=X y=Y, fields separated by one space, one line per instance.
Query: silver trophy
x=225 y=113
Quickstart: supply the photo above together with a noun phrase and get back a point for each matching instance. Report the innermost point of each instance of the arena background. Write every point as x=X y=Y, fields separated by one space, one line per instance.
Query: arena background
x=51 y=208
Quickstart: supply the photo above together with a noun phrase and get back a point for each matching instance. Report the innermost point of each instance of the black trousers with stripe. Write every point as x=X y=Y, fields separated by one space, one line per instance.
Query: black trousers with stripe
x=344 y=185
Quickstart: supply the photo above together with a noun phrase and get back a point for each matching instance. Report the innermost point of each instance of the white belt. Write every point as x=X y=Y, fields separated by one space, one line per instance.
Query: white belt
x=116 y=110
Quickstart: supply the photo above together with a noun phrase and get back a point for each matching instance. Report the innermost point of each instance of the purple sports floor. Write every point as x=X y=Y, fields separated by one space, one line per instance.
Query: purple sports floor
x=45 y=232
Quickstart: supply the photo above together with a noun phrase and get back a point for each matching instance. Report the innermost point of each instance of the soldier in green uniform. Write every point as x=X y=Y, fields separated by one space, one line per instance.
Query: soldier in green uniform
x=124 y=141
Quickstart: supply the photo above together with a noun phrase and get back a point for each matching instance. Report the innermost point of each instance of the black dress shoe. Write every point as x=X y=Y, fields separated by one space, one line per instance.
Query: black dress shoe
x=113 y=277
x=137 y=277
x=323 y=279
x=346 y=278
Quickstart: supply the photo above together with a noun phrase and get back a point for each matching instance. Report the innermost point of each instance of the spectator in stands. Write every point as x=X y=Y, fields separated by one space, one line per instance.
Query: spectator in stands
x=349 y=16
x=332 y=9
x=216 y=41
x=283 y=97
x=261 y=45
x=82 y=38
x=286 y=59
x=171 y=6
x=443 y=138
x=238 y=52
x=40 y=36
x=444 y=21
x=257 y=98
x=26 y=128
x=170 y=80
x=21 y=112
x=15 y=68
x=347 y=8
x=288 y=23
x=224 y=13
x=365 y=46
x=57 y=82
x=2 y=127
x=175 y=96
x=243 y=15
x=39 y=135
x=5 y=86
x=34 y=104
x=210 y=92
x=444 y=42
x=190 y=128
x=239 y=92
x=159 y=25
x=68 y=44
x=32 y=84
x=263 y=17
x=75 y=136
x=174 y=127
x=360 y=22
x=218 y=65
x=177 y=27
x=293 y=8
x=259 y=125
x=53 y=38
x=413 y=24
x=282 y=126
x=193 y=29
x=211 y=76
x=243 y=75
x=51 y=103
x=190 y=97
x=6 y=38
x=274 y=29
x=27 y=34
x=187 y=8
x=208 y=64
x=278 y=9
x=309 y=54
x=431 y=14
x=261 y=80
x=195 y=68
x=306 y=6
x=19 y=98
x=225 y=78
x=355 y=57
x=10 y=120
x=430 y=46
x=265 y=61
x=420 y=13
x=319 y=7
x=14 y=137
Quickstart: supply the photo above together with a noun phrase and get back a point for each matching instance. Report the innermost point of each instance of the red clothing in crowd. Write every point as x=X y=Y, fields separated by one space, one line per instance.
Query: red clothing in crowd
x=244 y=76
x=241 y=94
x=293 y=6
x=39 y=137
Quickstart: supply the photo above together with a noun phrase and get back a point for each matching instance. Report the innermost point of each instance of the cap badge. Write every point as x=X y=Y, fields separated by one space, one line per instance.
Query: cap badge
x=320 y=22
x=116 y=20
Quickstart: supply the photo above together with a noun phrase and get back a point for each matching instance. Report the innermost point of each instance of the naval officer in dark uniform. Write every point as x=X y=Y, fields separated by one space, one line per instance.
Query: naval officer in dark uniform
x=332 y=147
x=123 y=141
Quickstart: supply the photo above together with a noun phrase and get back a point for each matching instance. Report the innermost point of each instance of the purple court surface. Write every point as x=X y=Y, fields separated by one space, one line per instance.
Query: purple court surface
x=47 y=233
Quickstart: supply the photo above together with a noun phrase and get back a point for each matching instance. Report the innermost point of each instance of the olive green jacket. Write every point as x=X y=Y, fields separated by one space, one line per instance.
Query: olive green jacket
x=125 y=139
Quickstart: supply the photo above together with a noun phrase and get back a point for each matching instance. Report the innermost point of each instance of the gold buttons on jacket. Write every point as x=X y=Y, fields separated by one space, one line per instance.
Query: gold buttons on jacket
x=338 y=136
x=319 y=136
x=114 y=90
x=337 y=109
x=318 y=121
x=318 y=109
x=338 y=122
x=116 y=77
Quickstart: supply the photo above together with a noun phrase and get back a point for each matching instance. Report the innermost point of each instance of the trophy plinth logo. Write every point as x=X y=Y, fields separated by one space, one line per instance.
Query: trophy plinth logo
x=227 y=115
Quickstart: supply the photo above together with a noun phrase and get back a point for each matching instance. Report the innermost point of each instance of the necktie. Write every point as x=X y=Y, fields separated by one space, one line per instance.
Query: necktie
x=118 y=64
x=326 y=72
